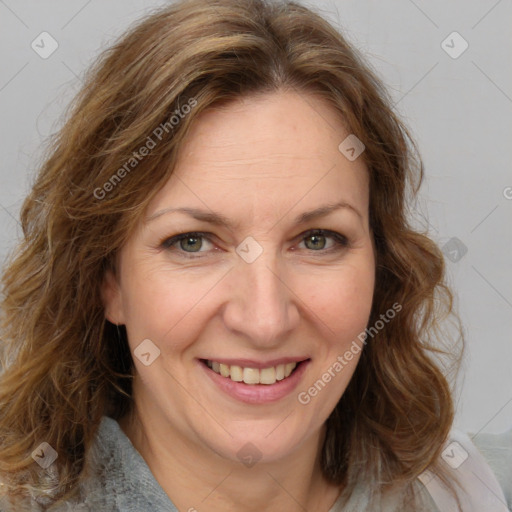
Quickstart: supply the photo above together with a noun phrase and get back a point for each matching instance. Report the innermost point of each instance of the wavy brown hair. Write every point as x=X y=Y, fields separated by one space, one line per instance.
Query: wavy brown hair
x=65 y=365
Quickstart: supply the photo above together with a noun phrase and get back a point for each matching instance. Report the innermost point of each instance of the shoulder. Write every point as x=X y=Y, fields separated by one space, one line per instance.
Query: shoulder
x=480 y=468
x=120 y=480
x=116 y=479
x=497 y=450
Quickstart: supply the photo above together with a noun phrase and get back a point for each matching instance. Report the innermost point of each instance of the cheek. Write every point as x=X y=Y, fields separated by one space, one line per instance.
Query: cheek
x=342 y=302
x=172 y=307
x=159 y=304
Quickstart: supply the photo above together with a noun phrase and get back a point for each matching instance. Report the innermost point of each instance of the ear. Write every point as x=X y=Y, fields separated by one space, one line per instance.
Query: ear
x=111 y=297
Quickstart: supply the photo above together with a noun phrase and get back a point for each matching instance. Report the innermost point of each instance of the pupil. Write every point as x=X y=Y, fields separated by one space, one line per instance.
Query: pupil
x=192 y=244
x=316 y=242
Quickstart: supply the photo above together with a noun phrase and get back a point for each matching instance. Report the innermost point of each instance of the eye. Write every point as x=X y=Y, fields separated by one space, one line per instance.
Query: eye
x=199 y=243
x=188 y=243
x=323 y=240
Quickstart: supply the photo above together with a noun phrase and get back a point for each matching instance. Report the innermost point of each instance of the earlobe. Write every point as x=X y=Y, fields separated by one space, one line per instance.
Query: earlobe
x=111 y=298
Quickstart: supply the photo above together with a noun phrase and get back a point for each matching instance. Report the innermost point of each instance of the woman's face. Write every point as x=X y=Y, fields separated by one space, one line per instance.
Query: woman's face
x=276 y=270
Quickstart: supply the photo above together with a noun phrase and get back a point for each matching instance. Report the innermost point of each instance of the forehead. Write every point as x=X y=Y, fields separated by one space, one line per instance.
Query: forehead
x=269 y=152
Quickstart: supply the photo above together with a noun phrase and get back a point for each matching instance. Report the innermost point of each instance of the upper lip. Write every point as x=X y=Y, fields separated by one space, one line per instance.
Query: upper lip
x=252 y=363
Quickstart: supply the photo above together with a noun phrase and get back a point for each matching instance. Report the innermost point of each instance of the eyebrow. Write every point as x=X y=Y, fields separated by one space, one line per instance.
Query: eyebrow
x=218 y=219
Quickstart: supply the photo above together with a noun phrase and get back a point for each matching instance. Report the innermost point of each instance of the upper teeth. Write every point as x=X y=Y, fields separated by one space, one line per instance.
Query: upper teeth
x=253 y=375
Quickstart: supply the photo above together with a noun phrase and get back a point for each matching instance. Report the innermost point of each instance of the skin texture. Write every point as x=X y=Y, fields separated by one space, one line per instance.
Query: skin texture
x=260 y=163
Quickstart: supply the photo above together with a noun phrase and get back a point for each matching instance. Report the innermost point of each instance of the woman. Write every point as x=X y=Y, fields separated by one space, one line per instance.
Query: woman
x=218 y=303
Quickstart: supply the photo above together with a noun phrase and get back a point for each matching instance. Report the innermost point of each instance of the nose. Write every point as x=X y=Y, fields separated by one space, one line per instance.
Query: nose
x=262 y=306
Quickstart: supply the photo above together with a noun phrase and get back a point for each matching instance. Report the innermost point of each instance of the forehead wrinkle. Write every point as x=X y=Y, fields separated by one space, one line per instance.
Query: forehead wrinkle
x=255 y=168
x=259 y=159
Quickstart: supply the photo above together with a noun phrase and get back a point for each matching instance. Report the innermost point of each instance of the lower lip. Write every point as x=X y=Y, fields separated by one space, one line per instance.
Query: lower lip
x=257 y=393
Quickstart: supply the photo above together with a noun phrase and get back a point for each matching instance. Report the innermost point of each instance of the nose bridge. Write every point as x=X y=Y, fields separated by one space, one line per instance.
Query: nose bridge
x=262 y=306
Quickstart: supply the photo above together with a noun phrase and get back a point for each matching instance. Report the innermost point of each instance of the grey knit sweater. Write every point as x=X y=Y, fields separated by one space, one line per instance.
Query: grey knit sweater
x=124 y=483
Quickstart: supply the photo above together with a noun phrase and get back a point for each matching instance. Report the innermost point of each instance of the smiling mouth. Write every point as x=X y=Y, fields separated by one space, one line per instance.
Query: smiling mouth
x=253 y=376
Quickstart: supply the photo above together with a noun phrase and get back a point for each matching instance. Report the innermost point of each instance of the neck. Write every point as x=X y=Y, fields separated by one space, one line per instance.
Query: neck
x=196 y=478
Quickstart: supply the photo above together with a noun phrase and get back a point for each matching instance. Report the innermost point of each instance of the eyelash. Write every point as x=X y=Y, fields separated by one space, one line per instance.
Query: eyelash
x=340 y=241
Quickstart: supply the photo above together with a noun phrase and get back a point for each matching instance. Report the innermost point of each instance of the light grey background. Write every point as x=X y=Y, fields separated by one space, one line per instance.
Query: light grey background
x=459 y=110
